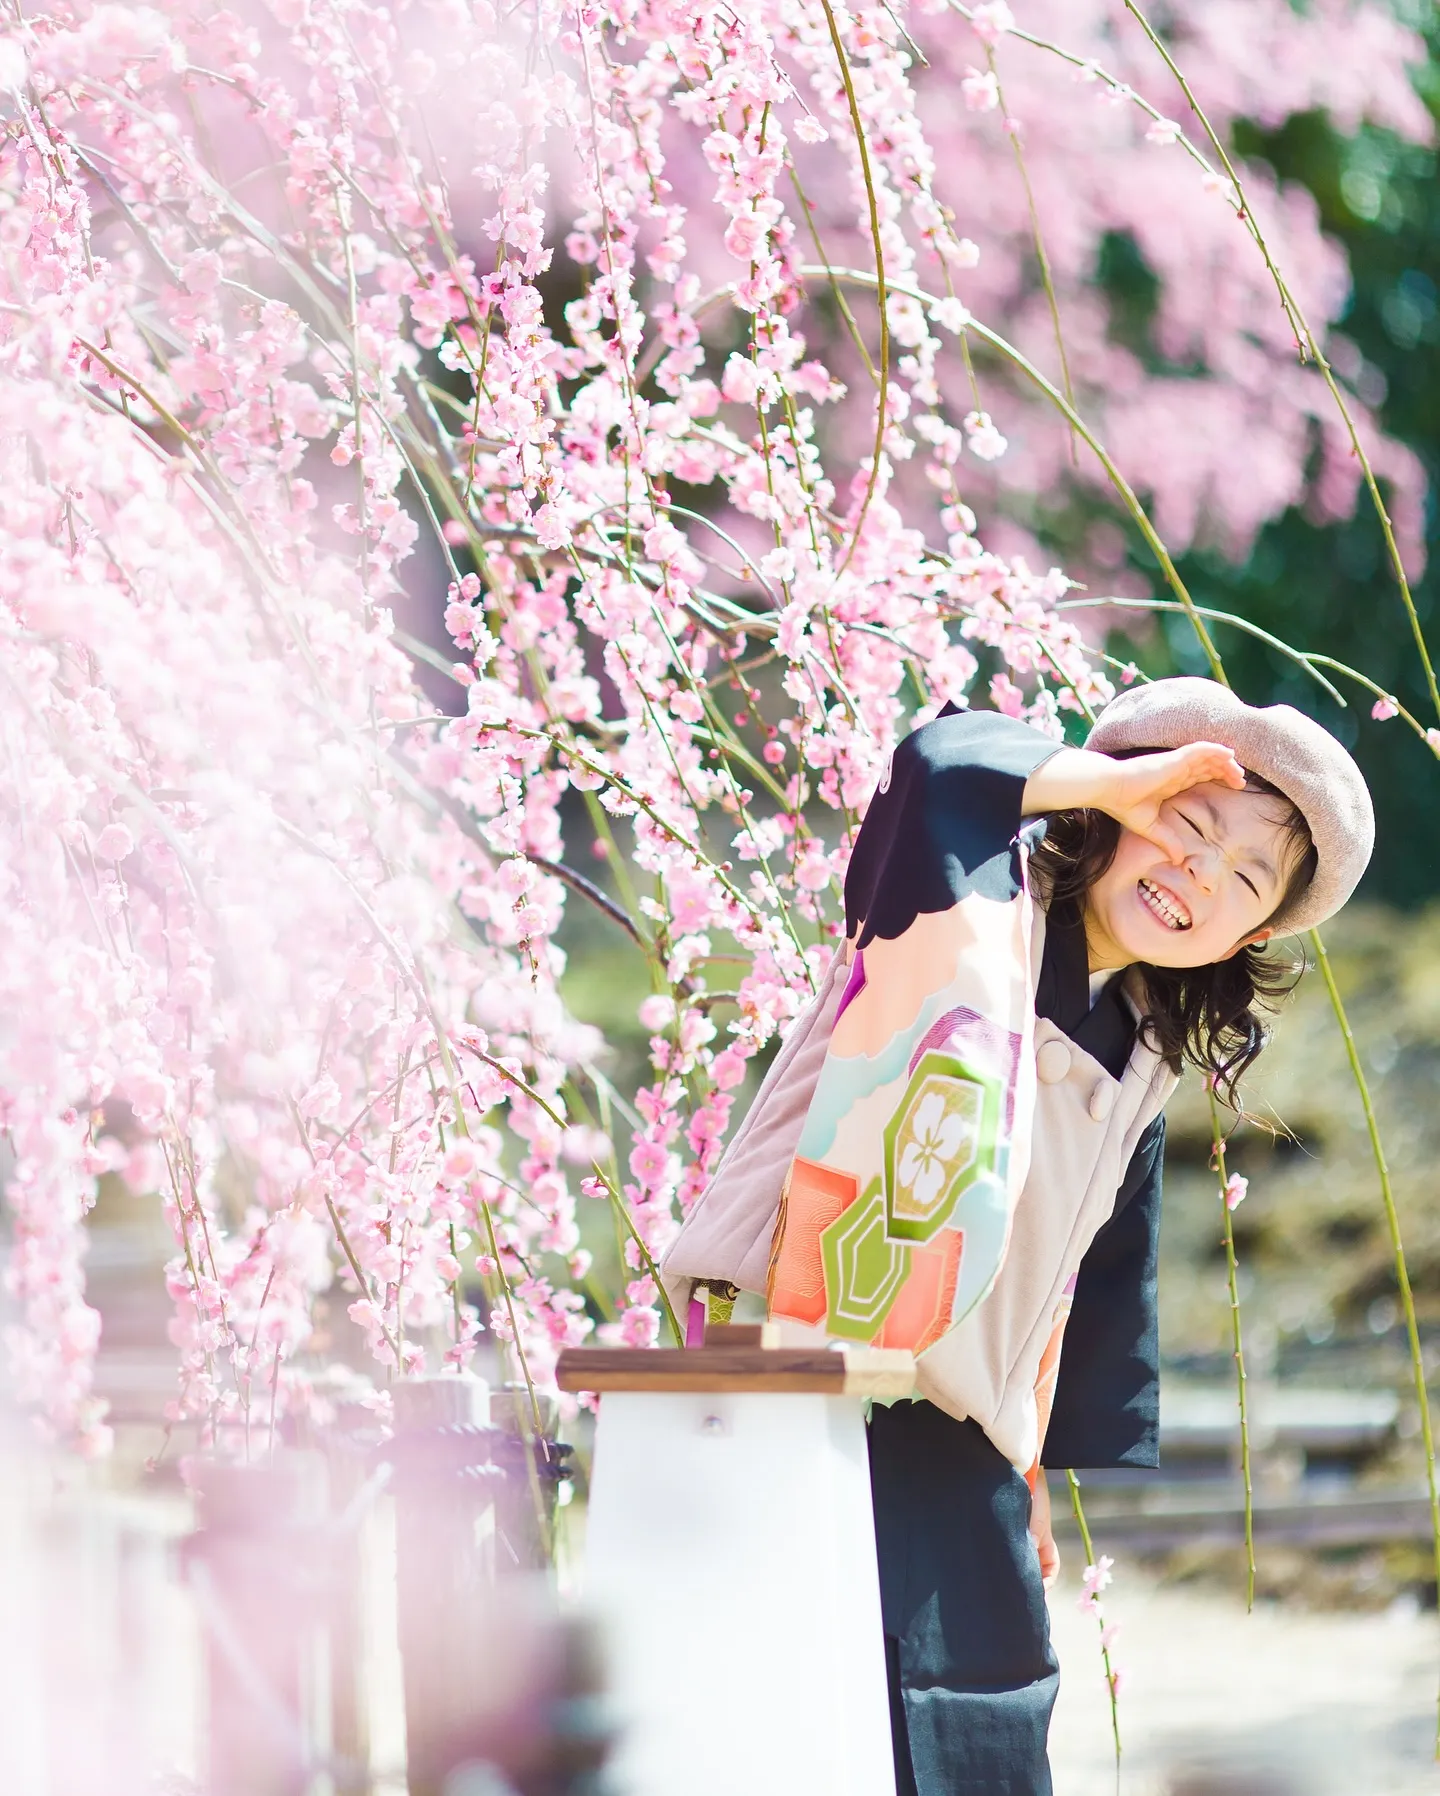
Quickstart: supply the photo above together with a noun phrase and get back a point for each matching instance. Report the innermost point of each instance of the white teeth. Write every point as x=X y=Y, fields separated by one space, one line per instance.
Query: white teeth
x=1169 y=912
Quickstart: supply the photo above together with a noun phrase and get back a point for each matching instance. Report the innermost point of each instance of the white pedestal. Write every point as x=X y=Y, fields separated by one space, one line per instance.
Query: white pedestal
x=730 y=1549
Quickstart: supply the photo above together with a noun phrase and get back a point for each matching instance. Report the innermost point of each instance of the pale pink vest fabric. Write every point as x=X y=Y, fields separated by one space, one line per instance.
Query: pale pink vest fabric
x=1086 y=1125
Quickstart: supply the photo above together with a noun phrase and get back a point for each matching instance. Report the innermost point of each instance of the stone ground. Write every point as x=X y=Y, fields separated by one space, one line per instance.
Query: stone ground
x=1217 y=1703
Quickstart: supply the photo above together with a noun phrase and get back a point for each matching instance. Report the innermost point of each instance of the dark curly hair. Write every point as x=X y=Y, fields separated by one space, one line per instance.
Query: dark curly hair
x=1212 y=1016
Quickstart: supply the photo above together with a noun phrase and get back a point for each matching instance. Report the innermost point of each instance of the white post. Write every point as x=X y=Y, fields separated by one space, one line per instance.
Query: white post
x=730 y=1554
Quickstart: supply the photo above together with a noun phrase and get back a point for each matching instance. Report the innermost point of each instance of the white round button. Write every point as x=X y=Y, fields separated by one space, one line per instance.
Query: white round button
x=1052 y=1062
x=1102 y=1102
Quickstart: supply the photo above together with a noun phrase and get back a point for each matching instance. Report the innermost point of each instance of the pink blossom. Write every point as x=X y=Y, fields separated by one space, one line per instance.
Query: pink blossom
x=657 y=1011
x=1235 y=1189
x=1098 y=1576
x=741 y=382
x=985 y=440
x=812 y=870
x=745 y=236
x=778 y=565
x=649 y=1162
x=114 y=842
x=1384 y=708
x=981 y=90
x=551 y=530
x=992 y=19
x=462 y=1161
x=640 y=1326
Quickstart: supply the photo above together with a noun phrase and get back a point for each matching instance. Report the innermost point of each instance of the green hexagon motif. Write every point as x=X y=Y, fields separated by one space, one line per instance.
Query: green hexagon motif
x=863 y=1271
x=939 y=1140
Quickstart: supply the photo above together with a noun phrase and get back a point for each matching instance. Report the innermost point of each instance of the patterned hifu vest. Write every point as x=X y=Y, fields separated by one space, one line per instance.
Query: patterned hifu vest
x=926 y=1163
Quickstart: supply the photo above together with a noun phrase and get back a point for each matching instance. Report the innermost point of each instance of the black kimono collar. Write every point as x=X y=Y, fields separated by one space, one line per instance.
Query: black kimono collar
x=1106 y=1032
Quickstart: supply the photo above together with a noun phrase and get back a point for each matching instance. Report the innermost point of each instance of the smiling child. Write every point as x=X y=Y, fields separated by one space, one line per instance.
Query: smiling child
x=958 y=1148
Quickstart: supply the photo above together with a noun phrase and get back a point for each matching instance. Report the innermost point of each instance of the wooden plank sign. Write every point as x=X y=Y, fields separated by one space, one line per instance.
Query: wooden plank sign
x=829 y=1372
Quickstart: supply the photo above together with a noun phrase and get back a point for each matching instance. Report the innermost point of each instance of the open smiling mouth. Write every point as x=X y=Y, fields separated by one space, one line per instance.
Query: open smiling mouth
x=1169 y=910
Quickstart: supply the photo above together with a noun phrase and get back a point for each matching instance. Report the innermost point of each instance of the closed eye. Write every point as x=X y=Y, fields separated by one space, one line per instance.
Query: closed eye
x=1195 y=827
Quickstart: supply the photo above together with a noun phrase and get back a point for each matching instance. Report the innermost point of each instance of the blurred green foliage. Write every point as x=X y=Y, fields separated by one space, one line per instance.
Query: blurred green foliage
x=1319 y=1268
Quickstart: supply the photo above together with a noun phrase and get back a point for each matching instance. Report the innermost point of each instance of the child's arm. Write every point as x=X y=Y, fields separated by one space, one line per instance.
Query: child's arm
x=1132 y=791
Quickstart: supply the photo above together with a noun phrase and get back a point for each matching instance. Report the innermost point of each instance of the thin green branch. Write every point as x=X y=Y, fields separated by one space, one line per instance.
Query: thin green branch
x=1012 y=131
x=1111 y=1676
x=837 y=291
x=1306 y=342
x=1397 y=1248
x=882 y=398
x=1237 y=1344
x=603 y=1177
x=1077 y=424
x=1211 y=615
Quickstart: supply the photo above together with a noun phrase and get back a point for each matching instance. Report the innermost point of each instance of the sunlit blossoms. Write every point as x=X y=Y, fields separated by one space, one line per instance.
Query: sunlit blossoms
x=1110 y=175
x=659 y=350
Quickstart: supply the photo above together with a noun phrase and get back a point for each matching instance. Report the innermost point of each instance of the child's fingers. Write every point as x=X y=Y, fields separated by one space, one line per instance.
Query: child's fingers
x=1166 y=839
x=1172 y=771
x=1213 y=761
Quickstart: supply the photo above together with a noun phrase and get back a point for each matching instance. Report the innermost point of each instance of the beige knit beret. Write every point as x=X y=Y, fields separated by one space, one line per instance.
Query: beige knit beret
x=1282 y=745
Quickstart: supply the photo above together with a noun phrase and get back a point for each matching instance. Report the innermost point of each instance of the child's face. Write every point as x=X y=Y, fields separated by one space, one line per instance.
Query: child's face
x=1233 y=862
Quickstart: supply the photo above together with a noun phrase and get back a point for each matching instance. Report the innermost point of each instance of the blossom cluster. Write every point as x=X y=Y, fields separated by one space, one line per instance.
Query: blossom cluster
x=322 y=317
x=1088 y=147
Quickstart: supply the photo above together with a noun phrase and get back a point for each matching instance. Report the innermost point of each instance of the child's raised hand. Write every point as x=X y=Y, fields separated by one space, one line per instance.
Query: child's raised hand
x=1138 y=788
x=1131 y=791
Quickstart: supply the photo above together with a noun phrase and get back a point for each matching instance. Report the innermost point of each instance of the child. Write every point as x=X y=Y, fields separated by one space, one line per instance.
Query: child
x=958 y=1147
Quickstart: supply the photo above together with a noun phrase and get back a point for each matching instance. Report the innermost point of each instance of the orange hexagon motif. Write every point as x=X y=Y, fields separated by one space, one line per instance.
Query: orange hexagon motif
x=814 y=1196
x=921 y=1311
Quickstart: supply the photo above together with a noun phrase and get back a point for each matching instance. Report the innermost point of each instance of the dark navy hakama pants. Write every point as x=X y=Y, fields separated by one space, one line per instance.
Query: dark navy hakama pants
x=973 y=1678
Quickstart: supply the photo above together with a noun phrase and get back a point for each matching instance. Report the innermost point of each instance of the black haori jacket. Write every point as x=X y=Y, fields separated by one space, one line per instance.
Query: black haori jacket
x=969 y=1164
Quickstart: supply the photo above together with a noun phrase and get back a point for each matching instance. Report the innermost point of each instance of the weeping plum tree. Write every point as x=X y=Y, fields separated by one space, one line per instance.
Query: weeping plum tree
x=670 y=350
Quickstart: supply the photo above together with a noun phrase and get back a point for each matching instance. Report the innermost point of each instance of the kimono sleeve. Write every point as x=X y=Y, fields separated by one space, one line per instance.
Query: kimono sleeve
x=943 y=823
x=1107 y=1398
